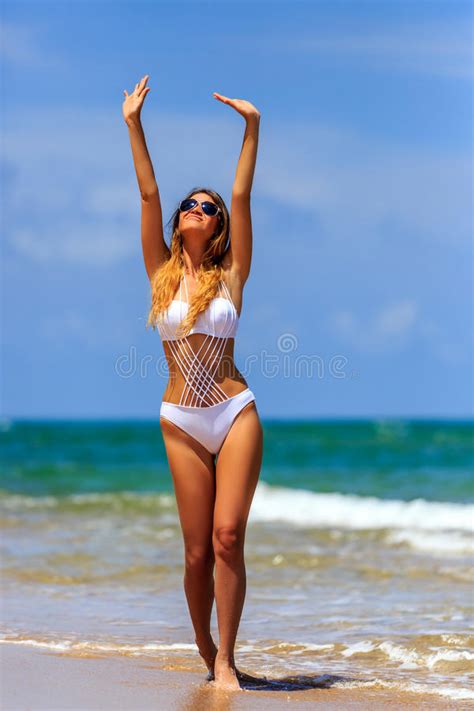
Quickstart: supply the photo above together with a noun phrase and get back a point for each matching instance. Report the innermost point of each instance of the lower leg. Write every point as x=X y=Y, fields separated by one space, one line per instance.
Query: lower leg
x=230 y=589
x=199 y=590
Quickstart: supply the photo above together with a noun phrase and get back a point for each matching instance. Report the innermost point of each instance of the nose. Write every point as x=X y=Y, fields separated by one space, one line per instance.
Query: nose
x=196 y=211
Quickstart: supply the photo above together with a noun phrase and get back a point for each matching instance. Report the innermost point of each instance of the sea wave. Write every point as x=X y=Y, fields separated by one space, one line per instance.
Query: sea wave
x=311 y=509
x=296 y=507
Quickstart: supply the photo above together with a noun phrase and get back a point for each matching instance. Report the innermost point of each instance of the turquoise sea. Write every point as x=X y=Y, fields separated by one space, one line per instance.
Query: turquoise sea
x=359 y=549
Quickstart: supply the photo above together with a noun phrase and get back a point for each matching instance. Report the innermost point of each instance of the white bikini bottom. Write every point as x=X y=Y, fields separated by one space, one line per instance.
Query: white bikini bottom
x=209 y=425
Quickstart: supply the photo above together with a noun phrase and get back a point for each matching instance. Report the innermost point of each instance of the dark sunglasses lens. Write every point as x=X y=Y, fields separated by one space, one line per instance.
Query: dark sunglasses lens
x=187 y=204
x=209 y=208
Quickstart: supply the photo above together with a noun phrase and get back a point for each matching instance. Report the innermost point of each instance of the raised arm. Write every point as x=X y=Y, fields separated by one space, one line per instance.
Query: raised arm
x=155 y=249
x=239 y=254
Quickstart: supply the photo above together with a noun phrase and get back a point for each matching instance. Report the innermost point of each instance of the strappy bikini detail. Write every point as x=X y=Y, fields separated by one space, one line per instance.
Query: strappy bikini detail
x=219 y=323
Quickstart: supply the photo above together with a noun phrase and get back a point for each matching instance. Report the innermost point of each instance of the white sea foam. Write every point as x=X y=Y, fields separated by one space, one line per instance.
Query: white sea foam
x=113 y=500
x=409 y=658
x=450 y=692
x=300 y=507
x=442 y=527
x=448 y=542
x=89 y=645
x=362 y=647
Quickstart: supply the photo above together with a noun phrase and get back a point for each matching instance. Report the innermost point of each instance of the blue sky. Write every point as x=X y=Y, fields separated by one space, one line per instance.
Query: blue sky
x=359 y=301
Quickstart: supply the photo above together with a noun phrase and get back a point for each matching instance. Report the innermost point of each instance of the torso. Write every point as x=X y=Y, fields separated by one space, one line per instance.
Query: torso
x=226 y=376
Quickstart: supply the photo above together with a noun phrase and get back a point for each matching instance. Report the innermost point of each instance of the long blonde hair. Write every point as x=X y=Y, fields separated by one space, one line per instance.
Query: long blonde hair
x=166 y=279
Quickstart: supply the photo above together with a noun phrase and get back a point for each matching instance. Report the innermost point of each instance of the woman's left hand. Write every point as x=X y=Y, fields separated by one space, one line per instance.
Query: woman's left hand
x=244 y=108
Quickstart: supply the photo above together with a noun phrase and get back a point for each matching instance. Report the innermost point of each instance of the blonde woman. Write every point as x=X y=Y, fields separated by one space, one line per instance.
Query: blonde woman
x=211 y=428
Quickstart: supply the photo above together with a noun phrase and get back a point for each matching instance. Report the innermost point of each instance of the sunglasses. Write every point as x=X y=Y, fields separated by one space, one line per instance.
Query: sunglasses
x=209 y=208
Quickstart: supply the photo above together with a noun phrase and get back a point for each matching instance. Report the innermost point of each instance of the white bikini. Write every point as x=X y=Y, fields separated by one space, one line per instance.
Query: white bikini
x=204 y=411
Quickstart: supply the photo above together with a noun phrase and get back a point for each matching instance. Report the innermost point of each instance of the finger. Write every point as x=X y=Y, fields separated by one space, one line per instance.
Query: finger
x=224 y=99
x=142 y=83
x=141 y=96
x=126 y=93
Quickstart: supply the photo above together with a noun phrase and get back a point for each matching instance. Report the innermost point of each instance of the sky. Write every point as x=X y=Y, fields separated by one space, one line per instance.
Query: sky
x=359 y=301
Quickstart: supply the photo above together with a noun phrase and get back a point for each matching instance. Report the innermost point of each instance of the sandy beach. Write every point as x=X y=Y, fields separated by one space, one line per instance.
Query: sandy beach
x=35 y=680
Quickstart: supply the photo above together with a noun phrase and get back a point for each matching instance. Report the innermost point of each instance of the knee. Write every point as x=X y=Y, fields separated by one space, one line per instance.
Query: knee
x=228 y=541
x=198 y=558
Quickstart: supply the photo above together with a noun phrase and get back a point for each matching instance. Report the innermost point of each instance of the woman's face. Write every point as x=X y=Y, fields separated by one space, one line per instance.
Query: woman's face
x=194 y=223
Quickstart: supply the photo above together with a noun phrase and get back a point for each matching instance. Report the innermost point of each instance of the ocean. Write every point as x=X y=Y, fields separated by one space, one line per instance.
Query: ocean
x=359 y=550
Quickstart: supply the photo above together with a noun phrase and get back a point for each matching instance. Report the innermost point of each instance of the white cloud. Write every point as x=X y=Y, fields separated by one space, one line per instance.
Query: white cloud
x=112 y=199
x=66 y=326
x=431 y=48
x=445 y=350
x=358 y=185
x=96 y=245
x=390 y=328
x=23 y=45
x=452 y=354
x=71 y=192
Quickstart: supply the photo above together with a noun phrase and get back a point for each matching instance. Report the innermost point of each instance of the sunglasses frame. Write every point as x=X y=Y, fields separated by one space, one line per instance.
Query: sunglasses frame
x=198 y=202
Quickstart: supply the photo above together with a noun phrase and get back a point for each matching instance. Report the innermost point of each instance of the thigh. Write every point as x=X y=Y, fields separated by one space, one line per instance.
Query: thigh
x=238 y=468
x=193 y=472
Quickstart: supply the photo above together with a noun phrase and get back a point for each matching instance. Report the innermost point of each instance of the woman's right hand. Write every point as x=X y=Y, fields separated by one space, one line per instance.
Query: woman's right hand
x=133 y=102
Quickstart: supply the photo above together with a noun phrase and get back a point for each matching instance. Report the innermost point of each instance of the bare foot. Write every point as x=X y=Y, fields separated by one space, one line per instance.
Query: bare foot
x=226 y=674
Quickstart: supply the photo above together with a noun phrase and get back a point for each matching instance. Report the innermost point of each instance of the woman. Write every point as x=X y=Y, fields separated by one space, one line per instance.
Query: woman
x=209 y=420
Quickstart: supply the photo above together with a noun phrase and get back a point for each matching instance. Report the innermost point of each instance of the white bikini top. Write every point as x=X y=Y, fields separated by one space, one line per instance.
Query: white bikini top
x=219 y=319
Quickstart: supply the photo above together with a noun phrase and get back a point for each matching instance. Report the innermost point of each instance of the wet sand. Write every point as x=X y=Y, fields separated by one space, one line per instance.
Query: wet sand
x=38 y=680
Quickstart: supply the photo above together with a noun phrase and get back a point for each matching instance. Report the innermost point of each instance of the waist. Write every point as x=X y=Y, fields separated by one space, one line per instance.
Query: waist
x=201 y=370
x=177 y=390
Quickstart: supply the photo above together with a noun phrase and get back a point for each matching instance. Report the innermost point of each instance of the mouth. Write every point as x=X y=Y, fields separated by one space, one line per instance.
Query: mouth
x=193 y=216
